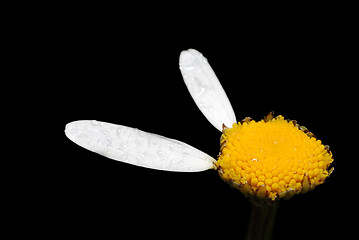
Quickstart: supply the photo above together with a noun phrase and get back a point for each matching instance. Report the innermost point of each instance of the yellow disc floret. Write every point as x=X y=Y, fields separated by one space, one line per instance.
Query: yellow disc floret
x=272 y=158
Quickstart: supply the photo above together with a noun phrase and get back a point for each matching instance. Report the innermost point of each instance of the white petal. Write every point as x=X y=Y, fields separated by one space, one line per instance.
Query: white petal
x=205 y=89
x=136 y=147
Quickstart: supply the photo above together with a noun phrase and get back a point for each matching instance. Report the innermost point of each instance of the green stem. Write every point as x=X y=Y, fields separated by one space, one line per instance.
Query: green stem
x=261 y=221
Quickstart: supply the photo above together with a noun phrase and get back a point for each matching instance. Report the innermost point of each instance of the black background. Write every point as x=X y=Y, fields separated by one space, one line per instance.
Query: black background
x=114 y=69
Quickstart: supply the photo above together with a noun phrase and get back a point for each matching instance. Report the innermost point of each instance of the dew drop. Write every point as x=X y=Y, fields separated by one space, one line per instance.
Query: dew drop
x=201 y=91
x=189 y=68
x=119 y=149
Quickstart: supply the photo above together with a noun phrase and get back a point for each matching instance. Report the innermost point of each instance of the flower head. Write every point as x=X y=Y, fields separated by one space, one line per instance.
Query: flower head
x=270 y=159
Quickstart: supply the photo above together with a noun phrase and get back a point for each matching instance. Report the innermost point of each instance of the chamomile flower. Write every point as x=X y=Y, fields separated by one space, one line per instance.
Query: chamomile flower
x=267 y=160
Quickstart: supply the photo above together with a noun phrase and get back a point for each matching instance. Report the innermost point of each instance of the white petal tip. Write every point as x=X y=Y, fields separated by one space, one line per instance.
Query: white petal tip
x=80 y=132
x=188 y=57
x=70 y=130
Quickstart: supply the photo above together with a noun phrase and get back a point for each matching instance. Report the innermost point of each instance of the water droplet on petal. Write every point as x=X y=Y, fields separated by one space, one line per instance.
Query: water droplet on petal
x=189 y=68
x=201 y=91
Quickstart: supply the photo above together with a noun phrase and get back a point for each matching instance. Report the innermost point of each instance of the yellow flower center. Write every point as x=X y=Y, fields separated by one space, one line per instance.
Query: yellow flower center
x=272 y=158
